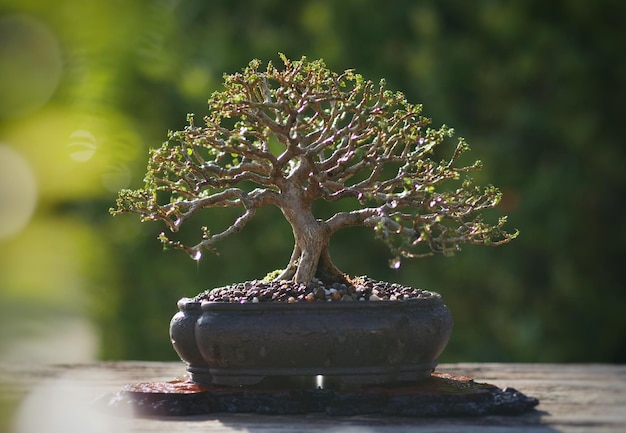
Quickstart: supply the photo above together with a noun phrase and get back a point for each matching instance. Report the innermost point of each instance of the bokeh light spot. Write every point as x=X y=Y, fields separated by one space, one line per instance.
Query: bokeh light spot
x=117 y=177
x=65 y=405
x=31 y=61
x=18 y=192
x=82 y=145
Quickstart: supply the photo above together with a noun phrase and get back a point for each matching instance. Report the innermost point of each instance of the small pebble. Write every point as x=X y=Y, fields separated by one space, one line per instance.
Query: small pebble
x=319 y=293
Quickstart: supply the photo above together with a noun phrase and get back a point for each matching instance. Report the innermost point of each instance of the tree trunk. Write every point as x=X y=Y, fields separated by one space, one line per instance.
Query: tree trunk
x=311 y=241
x=310 y=258
x=327 y=271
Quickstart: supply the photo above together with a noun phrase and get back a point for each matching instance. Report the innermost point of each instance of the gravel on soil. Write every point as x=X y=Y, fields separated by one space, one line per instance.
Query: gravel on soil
x=360 y=288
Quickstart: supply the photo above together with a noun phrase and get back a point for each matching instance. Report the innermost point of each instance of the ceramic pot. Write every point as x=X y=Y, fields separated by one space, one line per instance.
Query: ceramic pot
x=356 y=343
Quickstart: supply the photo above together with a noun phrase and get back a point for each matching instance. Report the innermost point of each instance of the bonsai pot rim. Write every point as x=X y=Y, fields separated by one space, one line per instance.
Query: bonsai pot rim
x=188 y=304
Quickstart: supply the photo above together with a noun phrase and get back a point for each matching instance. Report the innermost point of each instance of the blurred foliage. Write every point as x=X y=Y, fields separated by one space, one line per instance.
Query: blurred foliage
x=536 y=88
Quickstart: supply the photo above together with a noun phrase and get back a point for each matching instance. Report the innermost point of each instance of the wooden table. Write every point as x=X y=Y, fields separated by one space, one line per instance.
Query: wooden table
x=573 y=398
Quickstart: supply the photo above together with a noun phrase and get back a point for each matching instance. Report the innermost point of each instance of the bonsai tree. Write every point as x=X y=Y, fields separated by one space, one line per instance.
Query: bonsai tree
x=293 y=136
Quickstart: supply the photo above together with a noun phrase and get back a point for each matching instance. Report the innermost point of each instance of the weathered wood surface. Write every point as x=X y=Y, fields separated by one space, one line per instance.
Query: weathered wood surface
x=573 y=398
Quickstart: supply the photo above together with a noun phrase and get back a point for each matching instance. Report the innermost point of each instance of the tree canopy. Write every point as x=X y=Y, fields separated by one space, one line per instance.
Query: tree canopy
x=290 y=137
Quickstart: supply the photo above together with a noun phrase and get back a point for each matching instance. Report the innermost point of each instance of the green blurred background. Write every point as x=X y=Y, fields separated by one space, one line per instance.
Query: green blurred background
x=87 y=87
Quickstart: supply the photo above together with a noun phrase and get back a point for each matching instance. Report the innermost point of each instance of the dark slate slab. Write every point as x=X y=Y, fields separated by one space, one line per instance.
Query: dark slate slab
x=441 y=395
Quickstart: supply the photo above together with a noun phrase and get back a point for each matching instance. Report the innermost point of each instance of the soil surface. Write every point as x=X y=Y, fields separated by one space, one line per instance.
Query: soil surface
x=359 y=289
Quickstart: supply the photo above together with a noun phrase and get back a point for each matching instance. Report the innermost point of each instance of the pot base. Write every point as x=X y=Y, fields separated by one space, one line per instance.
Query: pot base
x=341 y=376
